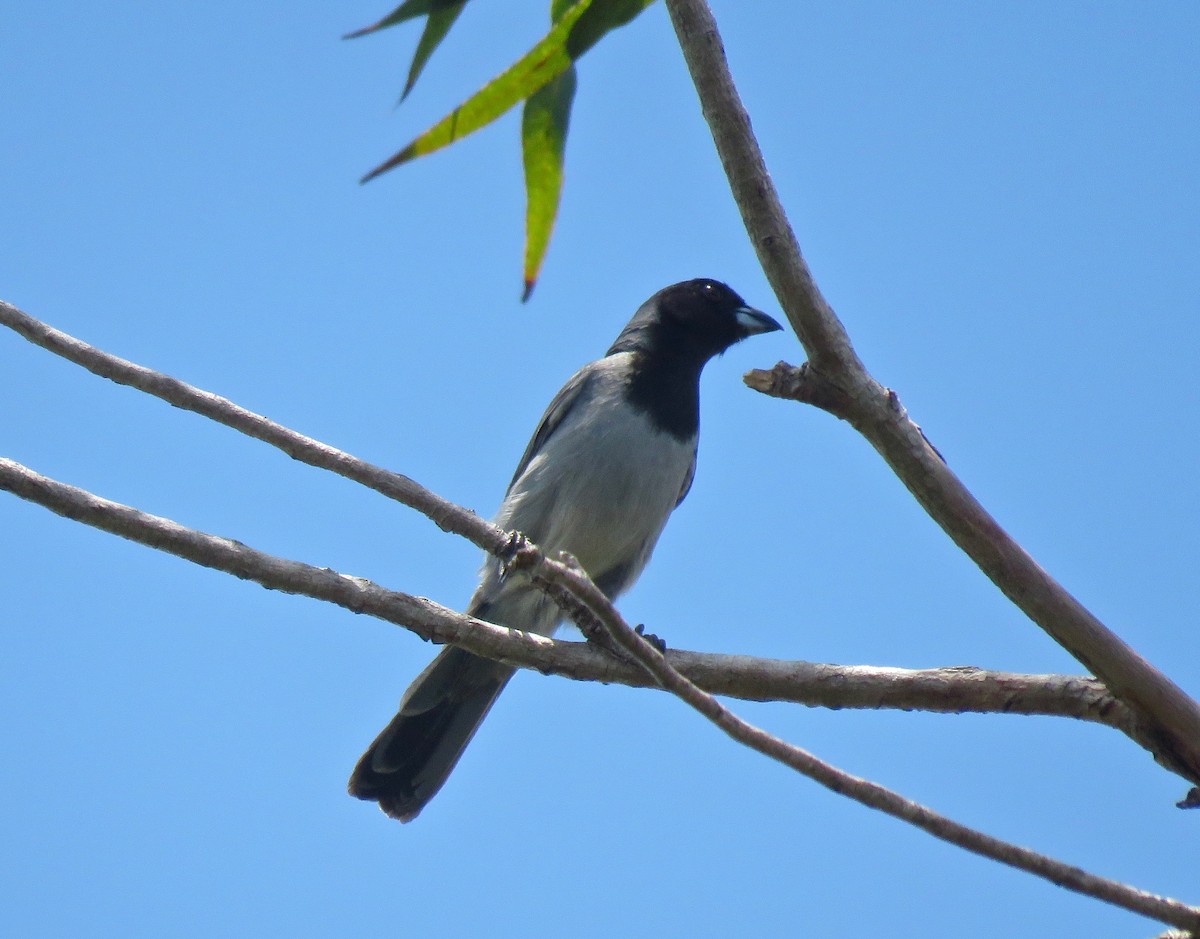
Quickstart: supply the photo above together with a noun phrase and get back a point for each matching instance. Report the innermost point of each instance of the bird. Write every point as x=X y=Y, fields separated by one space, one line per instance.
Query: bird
x=613 y=456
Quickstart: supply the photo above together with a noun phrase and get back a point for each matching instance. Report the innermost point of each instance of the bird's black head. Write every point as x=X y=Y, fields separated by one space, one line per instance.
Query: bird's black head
x=671 y=336
x=693 y=321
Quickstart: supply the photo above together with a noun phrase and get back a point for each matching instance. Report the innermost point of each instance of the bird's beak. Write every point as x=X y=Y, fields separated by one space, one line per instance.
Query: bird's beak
x=753 y=322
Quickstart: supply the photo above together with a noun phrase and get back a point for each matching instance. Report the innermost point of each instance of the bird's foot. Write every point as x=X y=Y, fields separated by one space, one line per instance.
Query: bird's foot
x=517 y=554
x=659 y=644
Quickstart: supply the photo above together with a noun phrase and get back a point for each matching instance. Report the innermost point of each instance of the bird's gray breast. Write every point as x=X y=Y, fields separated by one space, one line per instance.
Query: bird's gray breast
x=603 y=484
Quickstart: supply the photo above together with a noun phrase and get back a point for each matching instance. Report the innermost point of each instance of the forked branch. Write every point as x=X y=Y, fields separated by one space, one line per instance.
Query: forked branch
x=835 y=378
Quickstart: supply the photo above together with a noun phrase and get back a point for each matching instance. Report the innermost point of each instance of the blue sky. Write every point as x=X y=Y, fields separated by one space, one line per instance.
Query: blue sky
x=1001 y=202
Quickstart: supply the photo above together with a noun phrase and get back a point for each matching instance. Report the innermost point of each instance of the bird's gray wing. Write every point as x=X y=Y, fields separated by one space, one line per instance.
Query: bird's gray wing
x=687 y=481
x=566 y=398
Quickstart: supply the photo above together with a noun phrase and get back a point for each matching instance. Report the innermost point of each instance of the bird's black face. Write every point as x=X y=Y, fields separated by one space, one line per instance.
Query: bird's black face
x=683 y=326
x=709 y=316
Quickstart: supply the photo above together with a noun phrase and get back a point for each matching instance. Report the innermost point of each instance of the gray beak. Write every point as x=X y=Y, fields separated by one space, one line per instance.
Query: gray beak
x=753 y=322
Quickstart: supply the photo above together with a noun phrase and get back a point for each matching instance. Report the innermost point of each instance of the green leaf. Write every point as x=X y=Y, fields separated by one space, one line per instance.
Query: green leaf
x=436 y=27
x=544 y=125
x=408 y=10
x=552 y=56
x=541 y=64
x=544 y=78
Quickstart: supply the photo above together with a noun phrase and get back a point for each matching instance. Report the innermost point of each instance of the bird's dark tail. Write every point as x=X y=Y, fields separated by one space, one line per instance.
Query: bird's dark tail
x=410 y=760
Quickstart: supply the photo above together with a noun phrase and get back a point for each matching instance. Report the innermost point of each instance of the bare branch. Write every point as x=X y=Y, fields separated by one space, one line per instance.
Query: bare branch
x=836 y=379
x=431 y=620
x=946 y=690
x=867 y=793
x=445 y=514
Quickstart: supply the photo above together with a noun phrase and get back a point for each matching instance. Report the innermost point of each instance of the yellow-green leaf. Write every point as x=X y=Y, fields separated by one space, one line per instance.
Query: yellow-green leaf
x=544 y=62
x=544 y=125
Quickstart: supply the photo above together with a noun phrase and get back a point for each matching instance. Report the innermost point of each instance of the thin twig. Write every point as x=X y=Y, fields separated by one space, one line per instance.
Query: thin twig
x=445 y=514
x=1170 y=715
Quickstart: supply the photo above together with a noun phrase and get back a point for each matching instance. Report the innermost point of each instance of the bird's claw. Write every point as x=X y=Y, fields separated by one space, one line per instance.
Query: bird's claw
x=516 y=554
x=658 y=643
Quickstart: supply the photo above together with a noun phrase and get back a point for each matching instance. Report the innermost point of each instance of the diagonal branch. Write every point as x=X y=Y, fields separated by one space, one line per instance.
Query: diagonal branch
x=872 y=795
x=838 y=381
x=442 y=512
x=430 y=620
x=942 y=690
